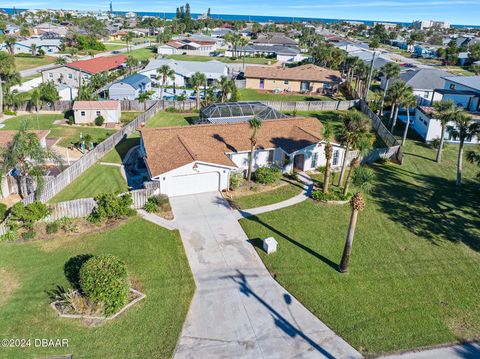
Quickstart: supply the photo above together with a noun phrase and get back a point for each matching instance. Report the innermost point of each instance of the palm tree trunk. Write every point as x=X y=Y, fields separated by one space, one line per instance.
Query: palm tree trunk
x=348 y=243
x=460 y=162
x=250 y=163
x=440 y=148
x=326 y=177
x=344 y=165
x=407 y=125
x=349 y=177
x=1 y=97
x=395 y=116
x=370 y=75
x=197 y=89
x=383 y=96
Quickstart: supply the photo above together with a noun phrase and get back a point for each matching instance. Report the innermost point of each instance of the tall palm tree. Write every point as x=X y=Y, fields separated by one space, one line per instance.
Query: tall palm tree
x=390 y=71
x=373 y=45
x=198 y=80
x=443 y=113
x=33 y=49
x=226 y=86
x=464 y=127
x=128 y=37
x=327 y=135
x=10 y=42
x=358 y=204
x=361 y=143
x=35 y=99
x=132 y=63
x=165 y=73
x=397 y=93
x=355 y=126
x=255 y=125
x=410 y=101
x=242 y=42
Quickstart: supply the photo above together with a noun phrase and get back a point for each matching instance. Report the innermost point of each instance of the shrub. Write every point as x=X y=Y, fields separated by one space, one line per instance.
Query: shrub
x=335 y=194
x=72 y=268
x=151 y=205
x=71 y=120
x=268 y=175
x=3 y=211
x=111 y=206
x=26 y=215
x=9 y=236
x=436 y=143
x=322 y=169
x=99 y=120
x=29 y=235
x=236 y=180
x=363 y=178
x=67 y=225
x=104 y=280
x=52 y=227
x=9 y=112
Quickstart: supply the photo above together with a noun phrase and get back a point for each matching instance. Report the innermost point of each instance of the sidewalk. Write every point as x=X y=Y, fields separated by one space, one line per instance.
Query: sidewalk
x=461 y=351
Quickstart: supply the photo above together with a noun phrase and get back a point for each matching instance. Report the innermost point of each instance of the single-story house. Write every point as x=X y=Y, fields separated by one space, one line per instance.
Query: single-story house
x=188 y=46
x=88 y=111
x=201 y=158
x=130 y=87
x=49 y=46
x=213 y=70
x=76 y=73
x=280 y=52
x=270 y=39
x=305 y=78
x=426 y=51
x=430 y=128
x=423 y=81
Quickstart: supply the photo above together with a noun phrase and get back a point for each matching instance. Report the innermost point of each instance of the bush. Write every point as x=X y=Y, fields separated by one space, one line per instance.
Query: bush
x=3 y=211
x=111 y=206
x=9 y=113
x=268 y=175
x=52 y=227
x=104 y=280
x=236 y=180
x=26 y=215
x=436 y=143
x=335 y=194
x=151 y=205
x=71 y=120
x=99 y=120
x=29 y=235
x=9 y=236
x=67 y=225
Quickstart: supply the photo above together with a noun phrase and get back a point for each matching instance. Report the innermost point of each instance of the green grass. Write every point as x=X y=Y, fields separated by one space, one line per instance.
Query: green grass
x=156 y=262
x=129 y=116
x=45 y=122
x=31 y=77
x=96 y=180
x=227 y=60
x=413 y=278
x=111 y=47
x=270 y=197
x=118 y=153
x=28 y=62
x=254 y=95
x=163 y=119
x=142 y=54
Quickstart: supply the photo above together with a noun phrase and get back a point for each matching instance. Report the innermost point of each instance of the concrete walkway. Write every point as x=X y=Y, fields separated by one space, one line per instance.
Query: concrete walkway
x=162 y=222
x=307 y=188
x=238 y=309
x=461 y=351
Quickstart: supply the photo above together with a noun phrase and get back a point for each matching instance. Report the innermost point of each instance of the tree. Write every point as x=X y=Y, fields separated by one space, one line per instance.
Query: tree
x=390 y=70
x=198 y=80
x=474 y=158
x=397 y=93
x=35 y=99
x=327 y=135
x=443 y=113
x=165 y=73
x=48 y=92
x=61 y=60
x=409 y=101
x=8 y=74
x=255 y=125
x=128 y=37
x=132 y=63
x=242 y=43
x=357 y=204
x=84 y=93
x=355 y=128
x=227 y=87
x=10 y=42
x=33 y=49
x=374 y=44
x=464 y=128
x=29 y=159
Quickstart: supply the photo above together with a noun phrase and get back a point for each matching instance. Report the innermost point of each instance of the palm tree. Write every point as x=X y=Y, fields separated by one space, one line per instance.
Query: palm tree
x=61 y=60
x=390 y=71
x=361 y=143
x=327 y=135
x=33 y=49
x=29 y=159
x=242 y=42
x=226 y=86
x=255 y=124
x=355 y=127
x=464 y=127
x=10 y=44
x=358 y=204
x=198 y=80
x=35 y=99
x=374 y=44
x=443 y=112
x=165 y=73
x=131 y=63
x=410 y=101
x=128 y=37
x=397 y=93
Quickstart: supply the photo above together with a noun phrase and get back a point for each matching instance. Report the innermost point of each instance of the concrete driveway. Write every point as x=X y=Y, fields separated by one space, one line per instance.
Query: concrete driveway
x=239 y=310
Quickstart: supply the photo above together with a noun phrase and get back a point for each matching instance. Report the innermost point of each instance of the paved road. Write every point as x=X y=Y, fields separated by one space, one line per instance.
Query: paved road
x=463 y=351
x=239 y=310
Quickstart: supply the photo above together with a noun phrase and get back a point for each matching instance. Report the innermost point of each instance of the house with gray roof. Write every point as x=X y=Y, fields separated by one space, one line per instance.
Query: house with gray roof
x=130 y=87
x=270 y=39
x=49 y=46
x=184 y=70
x=280 y=52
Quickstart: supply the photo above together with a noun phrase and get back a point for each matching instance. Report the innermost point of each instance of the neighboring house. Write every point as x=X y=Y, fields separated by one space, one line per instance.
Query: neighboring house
x=426 y=51
x=188 y=46
x=271 y=39
x=43 y=28
x=232 y=112
x=280 y=52
x=184 y=70
x=220 y=33
x=130 y=87
x=88 y=111
x=201 y=158
x=78 y=73
x=49 y=46
x=423 y=81
x=118 y=35
x=305 y=78
x=67 y=93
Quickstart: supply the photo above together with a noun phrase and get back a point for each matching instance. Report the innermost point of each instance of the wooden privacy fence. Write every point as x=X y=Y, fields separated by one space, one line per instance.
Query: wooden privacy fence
x=310 y=105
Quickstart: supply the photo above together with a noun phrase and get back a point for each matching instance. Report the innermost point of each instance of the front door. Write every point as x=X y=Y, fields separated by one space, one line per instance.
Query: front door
x=262 y=83
x=298 y=162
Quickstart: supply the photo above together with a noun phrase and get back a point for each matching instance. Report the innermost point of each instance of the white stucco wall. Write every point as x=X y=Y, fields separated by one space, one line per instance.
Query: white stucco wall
x=110 y=116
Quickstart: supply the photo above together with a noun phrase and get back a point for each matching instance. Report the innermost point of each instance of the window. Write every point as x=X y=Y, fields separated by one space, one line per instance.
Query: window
x=285 y=82
x=50 y=75
x=336 y=155
x=153 y=76
x=426 y=94
x=70 y=76
x=98 y=113
x=453 y=87
x=270 y=156
x=82 y=113
x=314 y=159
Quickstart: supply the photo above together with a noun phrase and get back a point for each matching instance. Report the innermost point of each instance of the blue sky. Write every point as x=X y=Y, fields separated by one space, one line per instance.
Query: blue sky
x=454 y=11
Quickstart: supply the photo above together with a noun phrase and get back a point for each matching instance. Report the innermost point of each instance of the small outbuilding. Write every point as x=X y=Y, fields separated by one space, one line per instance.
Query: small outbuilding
x=88 y=111
x=130 y=87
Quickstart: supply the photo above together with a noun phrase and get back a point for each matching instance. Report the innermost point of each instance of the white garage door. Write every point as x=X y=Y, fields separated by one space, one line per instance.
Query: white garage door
x=194 y=183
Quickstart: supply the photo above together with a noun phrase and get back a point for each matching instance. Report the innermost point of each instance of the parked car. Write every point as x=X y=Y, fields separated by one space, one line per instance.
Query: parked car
x=116 y=52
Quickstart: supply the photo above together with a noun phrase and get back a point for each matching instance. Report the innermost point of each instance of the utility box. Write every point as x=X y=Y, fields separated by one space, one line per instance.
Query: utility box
x=270 y=245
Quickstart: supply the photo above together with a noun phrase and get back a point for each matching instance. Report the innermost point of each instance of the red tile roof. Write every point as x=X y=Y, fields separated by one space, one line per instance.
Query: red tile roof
x=6 y=137
x=96 y=105
x=99 y=64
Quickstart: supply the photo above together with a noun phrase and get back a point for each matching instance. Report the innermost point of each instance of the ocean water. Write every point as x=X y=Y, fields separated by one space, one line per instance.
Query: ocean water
x=257 y=18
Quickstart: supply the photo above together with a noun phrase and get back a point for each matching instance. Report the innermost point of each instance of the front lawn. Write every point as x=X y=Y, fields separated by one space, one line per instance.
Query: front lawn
x=255 y=95
x=96 y=180
x=25 y=62
x=145 y=53
x=163 y=119
x=34 y=122
x=157 y=266
x=227 y=60
x=413 y=278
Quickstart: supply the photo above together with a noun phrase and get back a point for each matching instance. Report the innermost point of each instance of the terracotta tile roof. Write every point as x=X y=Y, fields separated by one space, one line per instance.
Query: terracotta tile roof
x=96 y=105
x=307 y=72
x=99 y=64
x=168 y=148
x=175 y=44
x=6 y=137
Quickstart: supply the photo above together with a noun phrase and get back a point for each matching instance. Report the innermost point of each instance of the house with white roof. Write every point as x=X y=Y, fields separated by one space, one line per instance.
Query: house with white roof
x=129 y=88
x=49 y=46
